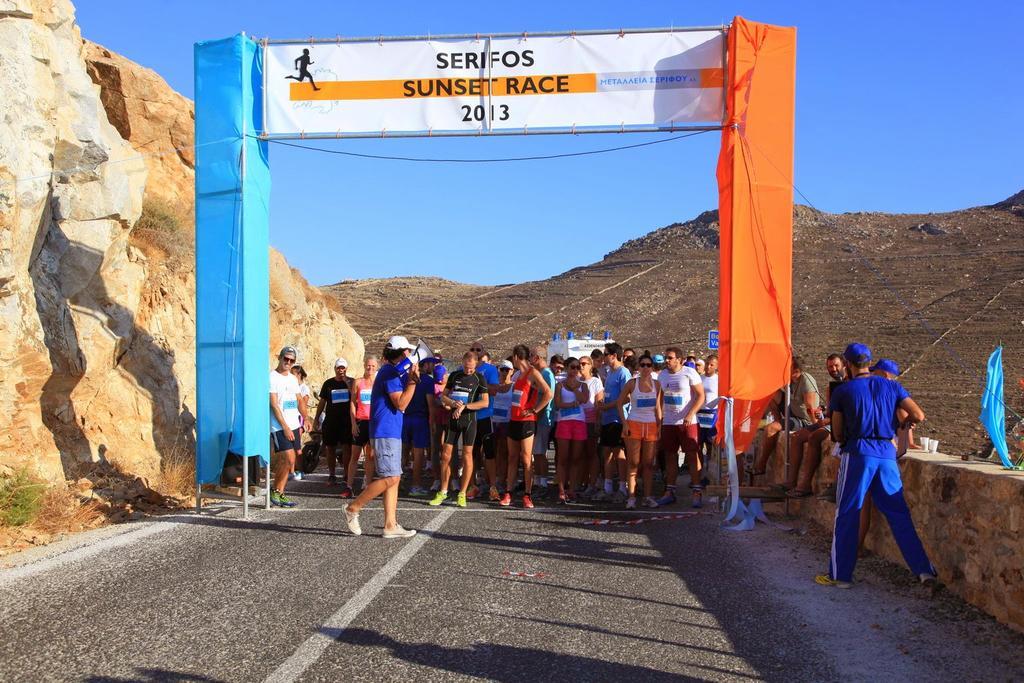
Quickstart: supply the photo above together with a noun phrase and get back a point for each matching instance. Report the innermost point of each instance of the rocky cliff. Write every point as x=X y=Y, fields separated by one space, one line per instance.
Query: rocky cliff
x=97 y=327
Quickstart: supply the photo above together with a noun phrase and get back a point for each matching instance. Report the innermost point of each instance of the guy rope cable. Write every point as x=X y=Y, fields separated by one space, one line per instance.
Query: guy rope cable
x=484 y=161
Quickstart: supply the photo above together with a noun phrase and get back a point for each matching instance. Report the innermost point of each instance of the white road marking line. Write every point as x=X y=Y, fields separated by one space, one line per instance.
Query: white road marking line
x=313 y=647
x=8 y=576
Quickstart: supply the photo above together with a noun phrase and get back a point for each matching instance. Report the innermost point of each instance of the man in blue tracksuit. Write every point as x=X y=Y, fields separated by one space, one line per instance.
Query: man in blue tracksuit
x=864 y=425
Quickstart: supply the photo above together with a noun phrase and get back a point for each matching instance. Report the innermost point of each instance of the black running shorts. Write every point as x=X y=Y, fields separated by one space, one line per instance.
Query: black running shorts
x=611 y=436
x=518 y=431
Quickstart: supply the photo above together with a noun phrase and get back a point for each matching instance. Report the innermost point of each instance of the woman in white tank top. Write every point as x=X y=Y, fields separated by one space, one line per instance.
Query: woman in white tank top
x=643 y=429
x=591 y=465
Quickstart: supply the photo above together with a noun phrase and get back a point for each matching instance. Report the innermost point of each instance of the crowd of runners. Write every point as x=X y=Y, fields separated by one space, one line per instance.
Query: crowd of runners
x=613 y=426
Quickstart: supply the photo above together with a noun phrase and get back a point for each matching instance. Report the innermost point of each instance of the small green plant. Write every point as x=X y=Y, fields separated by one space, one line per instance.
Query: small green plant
x=21 y=498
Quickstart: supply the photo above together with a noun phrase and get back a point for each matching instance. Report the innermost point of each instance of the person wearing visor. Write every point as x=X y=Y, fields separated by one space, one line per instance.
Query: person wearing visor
x=864 y=422
x=501 y=406
x=335 y=407
x=284 y=423
x=391 y=394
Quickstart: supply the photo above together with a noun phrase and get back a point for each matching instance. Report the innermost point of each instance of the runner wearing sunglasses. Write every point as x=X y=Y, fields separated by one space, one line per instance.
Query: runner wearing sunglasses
x=643 y=429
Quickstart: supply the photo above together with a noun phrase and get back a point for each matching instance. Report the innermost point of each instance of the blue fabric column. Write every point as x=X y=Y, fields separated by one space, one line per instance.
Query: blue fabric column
x=232 y=267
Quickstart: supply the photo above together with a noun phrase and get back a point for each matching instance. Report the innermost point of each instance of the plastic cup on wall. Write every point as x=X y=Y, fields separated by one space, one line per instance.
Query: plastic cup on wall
x=933 y=446
x=925 y=444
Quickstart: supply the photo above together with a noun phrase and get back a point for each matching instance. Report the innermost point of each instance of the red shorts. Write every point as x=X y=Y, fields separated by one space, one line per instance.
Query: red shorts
x=674 y=437
x=572 y=430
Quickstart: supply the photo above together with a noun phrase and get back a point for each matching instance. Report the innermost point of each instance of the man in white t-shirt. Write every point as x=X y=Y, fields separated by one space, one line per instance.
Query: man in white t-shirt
x=284 y=423
x=684 y=395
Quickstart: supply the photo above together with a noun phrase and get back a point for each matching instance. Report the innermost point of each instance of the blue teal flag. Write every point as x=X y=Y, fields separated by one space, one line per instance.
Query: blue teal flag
x=993 y=411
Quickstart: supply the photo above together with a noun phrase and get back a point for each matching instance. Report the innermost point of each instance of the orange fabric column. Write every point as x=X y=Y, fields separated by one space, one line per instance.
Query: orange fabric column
x=755 y=204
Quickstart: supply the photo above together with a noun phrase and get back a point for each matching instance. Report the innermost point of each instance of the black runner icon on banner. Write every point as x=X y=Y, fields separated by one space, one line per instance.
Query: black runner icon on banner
x=302 y=66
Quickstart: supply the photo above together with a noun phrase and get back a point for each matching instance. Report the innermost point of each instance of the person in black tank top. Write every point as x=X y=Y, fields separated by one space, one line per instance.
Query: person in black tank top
x=335 y=407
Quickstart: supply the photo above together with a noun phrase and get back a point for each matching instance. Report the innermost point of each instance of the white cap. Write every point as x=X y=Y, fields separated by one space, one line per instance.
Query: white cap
x=341 y=363
x=505 y=364
x=399 y=342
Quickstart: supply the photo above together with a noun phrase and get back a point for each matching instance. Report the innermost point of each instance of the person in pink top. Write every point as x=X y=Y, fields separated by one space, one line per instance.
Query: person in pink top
x=361 y=442
x=571 y=394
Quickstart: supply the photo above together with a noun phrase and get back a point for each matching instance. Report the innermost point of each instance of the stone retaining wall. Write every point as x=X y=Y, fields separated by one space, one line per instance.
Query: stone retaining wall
x=969 y=514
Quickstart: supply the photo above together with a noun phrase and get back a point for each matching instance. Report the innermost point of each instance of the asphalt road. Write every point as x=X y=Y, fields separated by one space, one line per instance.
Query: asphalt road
x=290 y=595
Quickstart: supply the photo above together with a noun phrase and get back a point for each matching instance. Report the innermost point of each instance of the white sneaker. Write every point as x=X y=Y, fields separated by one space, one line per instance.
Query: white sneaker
x=352 y=520
x=399 y=532
x=649 y=502
x=631 y=503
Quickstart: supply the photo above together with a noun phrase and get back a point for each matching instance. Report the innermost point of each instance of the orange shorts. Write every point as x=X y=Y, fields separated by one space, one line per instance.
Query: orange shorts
x=641 y=431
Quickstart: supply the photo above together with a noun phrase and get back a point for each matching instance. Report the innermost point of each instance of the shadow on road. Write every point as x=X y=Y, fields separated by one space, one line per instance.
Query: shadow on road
x=517 y=663
x=155 y=676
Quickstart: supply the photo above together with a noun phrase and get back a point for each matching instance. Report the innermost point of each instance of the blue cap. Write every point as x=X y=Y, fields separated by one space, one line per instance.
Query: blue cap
x=439 y=372
x=690 y=364
x=886 y=365
x=658 y=358
x=857 y=353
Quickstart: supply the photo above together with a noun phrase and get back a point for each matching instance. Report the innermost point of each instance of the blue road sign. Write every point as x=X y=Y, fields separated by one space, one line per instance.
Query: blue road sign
x=712 y=340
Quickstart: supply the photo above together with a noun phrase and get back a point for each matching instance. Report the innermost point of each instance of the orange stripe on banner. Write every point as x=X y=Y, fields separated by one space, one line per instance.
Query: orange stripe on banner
x=414 y=88
x=712 y=78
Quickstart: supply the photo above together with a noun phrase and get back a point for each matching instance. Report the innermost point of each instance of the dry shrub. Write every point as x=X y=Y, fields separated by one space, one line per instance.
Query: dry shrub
x=167 y=227
x=62 y=511
x=178 y=474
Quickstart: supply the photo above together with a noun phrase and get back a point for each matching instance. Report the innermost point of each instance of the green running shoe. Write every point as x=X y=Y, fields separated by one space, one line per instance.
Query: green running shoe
x=438 y=498
x=460 y=500
x=284 y=501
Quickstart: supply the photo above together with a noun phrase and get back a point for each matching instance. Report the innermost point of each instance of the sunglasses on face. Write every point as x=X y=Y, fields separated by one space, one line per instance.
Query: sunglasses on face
x=647 y=365
x=506 y=370
x=574 y=367
x=671 y=358
x=287 y=360
x=585 y=362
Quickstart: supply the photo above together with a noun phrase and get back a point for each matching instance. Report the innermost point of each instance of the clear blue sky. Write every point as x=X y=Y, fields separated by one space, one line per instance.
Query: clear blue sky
x=901 y=107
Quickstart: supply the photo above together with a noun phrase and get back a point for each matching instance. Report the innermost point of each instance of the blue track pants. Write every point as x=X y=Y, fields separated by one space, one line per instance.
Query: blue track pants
x=881 y=476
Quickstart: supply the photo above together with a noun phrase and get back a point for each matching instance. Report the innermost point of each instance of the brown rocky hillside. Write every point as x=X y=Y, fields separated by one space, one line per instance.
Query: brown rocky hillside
x=954 y=284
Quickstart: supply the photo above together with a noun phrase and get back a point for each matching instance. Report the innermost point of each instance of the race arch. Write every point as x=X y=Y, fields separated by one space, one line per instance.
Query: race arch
x=739 y=79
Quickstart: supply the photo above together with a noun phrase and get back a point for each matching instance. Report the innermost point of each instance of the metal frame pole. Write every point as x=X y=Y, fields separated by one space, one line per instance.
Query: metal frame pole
x=245 y=487
x=490 y=88
x=266 y=501
x=264 y=98
x=722 y=28
x=785 y=431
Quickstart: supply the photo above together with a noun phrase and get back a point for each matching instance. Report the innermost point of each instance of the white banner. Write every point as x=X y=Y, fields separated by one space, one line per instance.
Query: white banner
x=502 y=84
